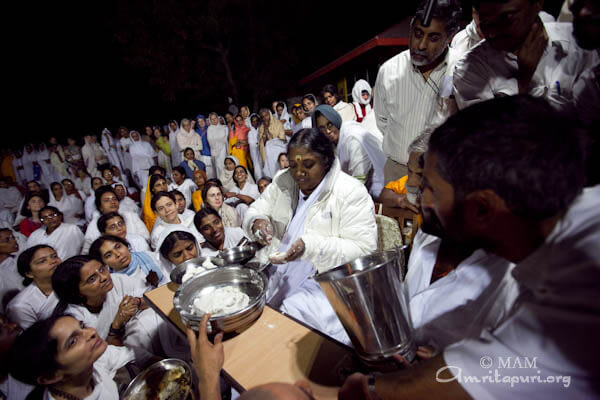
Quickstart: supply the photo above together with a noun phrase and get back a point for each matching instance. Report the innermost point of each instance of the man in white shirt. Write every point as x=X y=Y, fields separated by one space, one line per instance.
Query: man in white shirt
x=521 y=55
x=487 y=183
x=410 y=85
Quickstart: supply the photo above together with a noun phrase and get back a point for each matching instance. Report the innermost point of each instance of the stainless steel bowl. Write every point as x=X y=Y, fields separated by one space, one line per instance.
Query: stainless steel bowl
x=179 y=271
x=238 y=255
x=151 y=377
x=249 y=281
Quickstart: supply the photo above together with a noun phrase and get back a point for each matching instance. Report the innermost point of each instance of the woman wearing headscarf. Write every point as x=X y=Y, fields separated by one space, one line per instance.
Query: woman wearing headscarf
x=201 y=129
x=48 y=174
x=360 y=152
x=175 y=151
x=281 y=113
x=362 y=96
x=238 y=142
x=18 y=167
x=142 y=157
x=73 y=156
x=253 y=146
x=332 y=97
x=217 y=138
x=188 y=138
x=109 y=145
x=70 y=205
x=93 y=155
x=271 y=141
x=319 y=218
x=124 y=143
x=29 y=158
x=226 y=176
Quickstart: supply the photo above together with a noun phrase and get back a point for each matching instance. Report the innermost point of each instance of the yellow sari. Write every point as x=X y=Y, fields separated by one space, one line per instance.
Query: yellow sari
x=148 y=215
x=241 y=152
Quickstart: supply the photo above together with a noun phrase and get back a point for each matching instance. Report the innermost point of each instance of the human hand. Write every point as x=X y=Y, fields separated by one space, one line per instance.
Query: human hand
x=295 y=251
x=229 y=195
x=208 y=358
x=127 y=309
x=263 y=230
x=356 y=387
x=530 y=53
x=402 y=202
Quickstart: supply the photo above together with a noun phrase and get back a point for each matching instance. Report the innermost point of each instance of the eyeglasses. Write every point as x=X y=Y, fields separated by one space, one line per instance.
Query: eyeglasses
x=327 y=128
x=49 y=216
x=116 y=225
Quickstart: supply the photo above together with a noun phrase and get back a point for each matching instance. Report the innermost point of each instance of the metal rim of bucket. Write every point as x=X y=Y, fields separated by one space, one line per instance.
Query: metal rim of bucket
x=322 y=276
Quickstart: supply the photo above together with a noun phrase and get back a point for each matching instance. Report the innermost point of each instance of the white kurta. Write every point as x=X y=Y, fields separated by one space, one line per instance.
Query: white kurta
x=218 y=140
x=361 y=151
x=67 y=240
x=132 y=221
x=31 y=305
x=554 y=321
x=188 y=187
x=476 y=295
x=485 y=73
x=11 y=282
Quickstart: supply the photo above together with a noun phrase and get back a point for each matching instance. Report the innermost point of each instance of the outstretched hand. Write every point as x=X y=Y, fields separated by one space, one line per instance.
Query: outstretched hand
x=208 y=359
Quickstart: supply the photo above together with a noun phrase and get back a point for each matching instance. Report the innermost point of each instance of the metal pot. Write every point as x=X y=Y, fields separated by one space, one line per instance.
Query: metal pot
x=371 y=301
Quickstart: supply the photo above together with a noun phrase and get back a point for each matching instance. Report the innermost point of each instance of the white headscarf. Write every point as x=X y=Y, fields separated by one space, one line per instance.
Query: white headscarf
x=357 y=90
x=141 y=153
x=226 y=177
x=69 y=205
x=284 y=116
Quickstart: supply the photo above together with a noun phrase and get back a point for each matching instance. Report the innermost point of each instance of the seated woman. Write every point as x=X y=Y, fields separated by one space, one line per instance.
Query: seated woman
x=37 y=301
x=68 y=359
x=66 y=238
x=182 y=204
x=106 y=202
x=69 y=205
x=115 y=252
x=90 y=202
x=71 y=190
x=332 y=98
x=126 y=203
x=226 y=175
x=244 y=192
x=238 y=142
x=319 y=218
x=11 y=283
x=156 y=183
x=32 y=205
x=360 y=152
x=209 y=224
x=176 y=244
x=200 y=179
x=164 y=204
x=113 y=224
x=190 y=164
x=183 y=184
x=112 y=304
x=213 y=198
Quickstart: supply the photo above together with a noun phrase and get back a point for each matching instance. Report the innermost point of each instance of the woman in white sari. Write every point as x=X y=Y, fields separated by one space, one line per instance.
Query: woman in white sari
x=48 y=174
x=29 y=157
x=123 y=149
x=226 y=175
x=245 y=190
x=93 y=155
x=309 y=103
x=109 y=144
x=176 y=156
x=142 y=158
x=37 y=301
x=70 y=205
x=272 y=141
x=164 y=205
x=187 y=137
x=217 y=135
x=66 y=238
x=254 y=148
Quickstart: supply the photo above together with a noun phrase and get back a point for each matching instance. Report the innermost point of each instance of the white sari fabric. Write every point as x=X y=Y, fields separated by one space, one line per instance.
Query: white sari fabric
x=110 y=147
x=273 y=149
x=226 y=177
x=93 y=155
x=142 y=159
x=70 y=205
x=49 y=174
x=11 y=282
x=31 y=305
x=249 y=189
x=189 y=139
x=357 y=90
x=255 y=152
x=124 y=144
x=176 y=157
x=67 y=239
x=346 y=111
x=28 y=159
x=217 y=136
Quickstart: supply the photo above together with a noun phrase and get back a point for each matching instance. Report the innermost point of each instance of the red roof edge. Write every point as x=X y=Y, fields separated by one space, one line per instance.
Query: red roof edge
x=363 y=48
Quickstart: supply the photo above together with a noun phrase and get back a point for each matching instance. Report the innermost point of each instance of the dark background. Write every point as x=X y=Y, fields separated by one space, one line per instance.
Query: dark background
x=75 y=68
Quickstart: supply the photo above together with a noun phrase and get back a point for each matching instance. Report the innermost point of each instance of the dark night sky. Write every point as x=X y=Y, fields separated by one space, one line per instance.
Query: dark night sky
x=77 y=67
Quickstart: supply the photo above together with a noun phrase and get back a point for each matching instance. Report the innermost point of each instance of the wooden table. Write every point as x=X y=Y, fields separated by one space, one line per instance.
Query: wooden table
x=276 y=348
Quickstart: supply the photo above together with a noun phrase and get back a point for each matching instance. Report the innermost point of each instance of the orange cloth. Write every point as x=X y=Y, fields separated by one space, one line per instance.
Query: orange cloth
x=7 y=168
x=148 y=215
x=197 y=200
x=398 y=186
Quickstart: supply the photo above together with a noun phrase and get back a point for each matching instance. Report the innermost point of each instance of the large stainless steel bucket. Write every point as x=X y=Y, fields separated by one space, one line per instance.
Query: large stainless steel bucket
x=370 y=299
